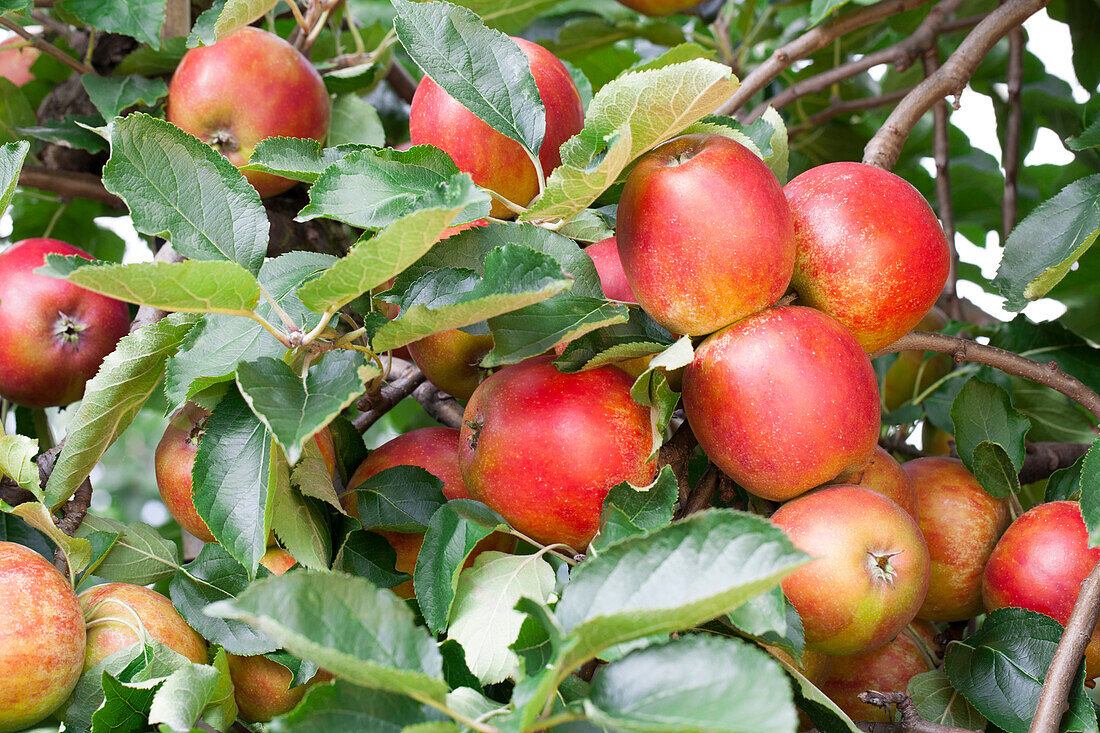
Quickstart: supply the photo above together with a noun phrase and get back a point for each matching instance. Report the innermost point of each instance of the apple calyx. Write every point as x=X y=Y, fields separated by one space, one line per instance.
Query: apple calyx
x=224 y=142
x=880 y=566
x=68 y=329
x=475 y=426
x=197 y=431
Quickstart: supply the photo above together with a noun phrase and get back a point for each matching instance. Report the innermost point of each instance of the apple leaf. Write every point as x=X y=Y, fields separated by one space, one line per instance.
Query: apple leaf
x=588 y=226
x=678 y=54
x=312 y=477
x=299 y=523
x=537 y=328
x=1090 y=492
x=484 y=620
x=652 y=388
x=821 y=711
x=124 y=707
x=695 y=683
x=629 y=511
x=374 y=188
x=343 y=706
x=139 y=555
x=771 y=619
x=112 y=398
x=1000 y=670
x=639 y=336
x=191 y=286
x=358 y=80
x=12 y=156
x=139 y=19
x=767 y=135
x=452 y=533
x=399 y=499
x=15 y=112
x=989 y=435
x=1050 y=341
x=508 y=16
x=637 y=587
x=1042 y=248
x=180 y=188
x=373 y=261
x=346 y=625
x=17 y=454
x=230 y=480
x=236 y=14
x=298 y=158
x=211 y=351
x=68 y=132
x=626 y=118
x=937 y=701
x=355 y=122
x=196 y=693
x=514 y=276
x=215 y=576
x=370 y=556
x=112 y=94
x=78 y=551
x=483 y=69
x=14 y=529
x=1089 y=138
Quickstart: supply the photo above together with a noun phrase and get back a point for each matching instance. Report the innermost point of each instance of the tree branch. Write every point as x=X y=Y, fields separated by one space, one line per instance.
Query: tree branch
x=966 y=350
x=846 y=107
x=675 y=453
x=440 y=405
x=950 y=79
x=47 y=48
x=177 y=19
x=1045 y=457
x=1016 y=40
x=703 y=493
x=69 y=184
x=813 y=40
x=941 y=150
x=911 y=721
x=401 y=81
x=405 y=378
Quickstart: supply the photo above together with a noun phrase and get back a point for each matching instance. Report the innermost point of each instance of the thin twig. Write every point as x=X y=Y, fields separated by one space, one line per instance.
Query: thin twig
x=401 y=81
x=1016 y=40
x=68 y=184
x=941 y=151
x=405 y=378
x=703 y=493
x=676 y=452
x=47 y=48
x=950 y=79
x=911 y=721
x=846 y=107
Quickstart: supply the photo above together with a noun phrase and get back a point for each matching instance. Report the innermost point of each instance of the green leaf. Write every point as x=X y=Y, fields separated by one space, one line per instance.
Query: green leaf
x=483 y=69
x=342 y=706
x=68 y=132
x=453 y=531
x=637 y=587
x=640 y=336
x=1050 y=341
x=112 y=94
x=1000 y=670
x=178 y=187
x=373 y=261
x=1090 y=492
x=515 y=277
x=652 y=389
x=346 y=625
x=190 y=286
x=211 y=577
x=300 y=523
x=355 y=122
x=202 y=32
x=198 y=692
x=139 y=555
x=295 y=409
x=821 y=711
x=989 y=436
x=139 y=19
x=768 y=135
x=112 y=398
x=770 y=619
x=14 y=529
x=370 y=556
x=301 y=159
x=698 y=683
x=1089 y=138
x=1043 y=247
x=485 y=621
x=354 y=81
x=508 y=16
x=230 y=480
x=17 y=454
x=821 y=9
x=399 y=499
x=630 y=510
x=537 y=328
x=238 y=13
x=626 y=118
x=678 y=54
x=588 y=226
x=15 y=112
x=12 y=156
x=374 y=188
x=125 y=708
x=937 y=701
x=77 y=551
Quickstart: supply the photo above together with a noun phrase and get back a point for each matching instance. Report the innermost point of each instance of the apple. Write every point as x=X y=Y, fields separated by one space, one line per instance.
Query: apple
x=935 y=441
x=449 y=359
x=783 y=401
x=871 y=252
x=493 y=160
x=814 y=667
x=17 y=57
x=961 y=524
x=1039 y=564
x=278 y=560
x=41 y=638
x=705 y=234
x=658 y=8
x=911 y=374
x=870 y=570
x=542 y=448
x=888 y=668
x=174 y=461
x=605 y=256
x=53 y=334
x=246 y=87
x=116 y=613
x=886 y=476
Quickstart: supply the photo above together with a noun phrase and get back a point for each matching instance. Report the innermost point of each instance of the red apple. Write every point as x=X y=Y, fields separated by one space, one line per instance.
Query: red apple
x=870 y=571
x=871 y=252
x=705 y=235
x=16 y=63
x=886 y=476
x=887 y=669
x=41 y=638
x=53 y=334
x=658 y=8
x=117 y=613
x=493 y=160
x=246 y=87
x=449 y=359
x=605 y=256
x=543 y=448
x=961 y=524
x=278 y=560
x=1039 y=564
x=783 y=401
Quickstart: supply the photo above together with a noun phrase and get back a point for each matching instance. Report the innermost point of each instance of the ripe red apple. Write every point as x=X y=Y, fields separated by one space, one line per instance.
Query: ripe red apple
x=278 y=560
x=870 y=571
x=1039 y=564
x=41 y=638
x=871 y=252
x=658 y=8
x=961 y=524
x=705 y=234
x=493 y=160
x=783 y=401
x=887 y=669
x=449 y=359
x=116 y=612
x=543 y=448
x=886 y=476
x=246 y=87
x=16 y=63
x=53 y=334
x=605 y=256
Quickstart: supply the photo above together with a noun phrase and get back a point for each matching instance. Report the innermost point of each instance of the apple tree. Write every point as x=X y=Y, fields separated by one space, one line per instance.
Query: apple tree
x=676 y=331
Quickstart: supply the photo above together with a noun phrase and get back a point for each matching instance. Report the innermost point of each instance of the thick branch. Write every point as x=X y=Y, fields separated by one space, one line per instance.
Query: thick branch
x=966 y=350
x=846 y=107
x=40 y=43
x=405 y=378
x=147 y=315
x=1016 y=41
x=177 y=19
x=1045 y=457
x=440 y=405
x=911 y=721
x=1054 y=698
x=951 y=78
x=68 y=184
x=813 y=40
x=941 y=150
